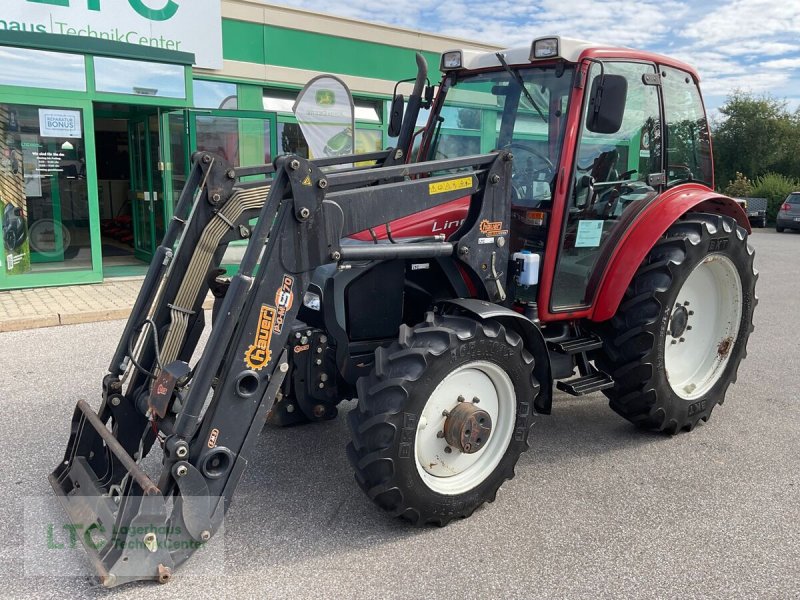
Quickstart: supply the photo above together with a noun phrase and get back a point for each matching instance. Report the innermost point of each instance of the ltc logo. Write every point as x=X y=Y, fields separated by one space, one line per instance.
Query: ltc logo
x=165 y=13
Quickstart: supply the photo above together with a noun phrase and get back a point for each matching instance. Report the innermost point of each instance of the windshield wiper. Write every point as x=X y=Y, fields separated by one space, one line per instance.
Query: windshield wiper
x=520 y=83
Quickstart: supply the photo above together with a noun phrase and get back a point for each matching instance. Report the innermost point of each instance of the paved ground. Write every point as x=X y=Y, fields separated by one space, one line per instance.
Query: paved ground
x=69 y=305
x=597 y=509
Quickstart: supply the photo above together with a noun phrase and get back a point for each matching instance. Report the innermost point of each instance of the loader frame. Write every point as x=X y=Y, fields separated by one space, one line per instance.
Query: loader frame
x=151 y=395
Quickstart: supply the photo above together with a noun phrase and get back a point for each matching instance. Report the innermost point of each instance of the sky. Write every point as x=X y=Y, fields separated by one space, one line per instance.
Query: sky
x=749 y=45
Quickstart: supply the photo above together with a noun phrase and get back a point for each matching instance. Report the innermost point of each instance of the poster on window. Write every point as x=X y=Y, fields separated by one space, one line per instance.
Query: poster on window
x=60 y=123
x=326 y=115
x=13 y=202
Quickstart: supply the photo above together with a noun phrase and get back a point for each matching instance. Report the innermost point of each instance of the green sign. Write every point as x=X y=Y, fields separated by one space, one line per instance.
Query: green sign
x=161 y=14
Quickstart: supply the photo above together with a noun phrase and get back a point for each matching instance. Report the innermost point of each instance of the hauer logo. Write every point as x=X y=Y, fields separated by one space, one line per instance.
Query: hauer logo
x=258 y=354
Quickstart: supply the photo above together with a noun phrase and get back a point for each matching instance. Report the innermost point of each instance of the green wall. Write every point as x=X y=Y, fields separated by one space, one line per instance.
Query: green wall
x=282 y=47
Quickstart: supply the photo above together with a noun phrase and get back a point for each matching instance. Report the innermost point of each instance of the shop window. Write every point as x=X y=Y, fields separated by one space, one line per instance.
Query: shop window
x=120 y=76
x=215 y=95
x=239 y=141
x=281 y=101
x=44 y=201
x=40 y=69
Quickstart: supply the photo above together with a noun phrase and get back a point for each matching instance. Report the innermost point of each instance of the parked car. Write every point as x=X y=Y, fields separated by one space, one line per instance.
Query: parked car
x=756 y=209
x=789 y=213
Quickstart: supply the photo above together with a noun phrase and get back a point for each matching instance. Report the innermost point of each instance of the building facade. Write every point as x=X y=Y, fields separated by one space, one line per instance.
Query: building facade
x=102 y=103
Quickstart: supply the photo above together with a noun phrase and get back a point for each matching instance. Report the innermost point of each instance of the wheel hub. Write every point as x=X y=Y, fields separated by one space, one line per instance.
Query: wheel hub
x=678 y=321
x=467 y=427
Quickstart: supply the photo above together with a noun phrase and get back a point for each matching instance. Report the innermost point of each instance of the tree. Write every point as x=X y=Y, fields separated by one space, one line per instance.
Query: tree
x=756 y=135
x=740 y=187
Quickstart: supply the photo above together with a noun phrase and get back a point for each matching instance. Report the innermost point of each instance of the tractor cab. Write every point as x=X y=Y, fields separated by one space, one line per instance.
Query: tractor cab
x=597 y=134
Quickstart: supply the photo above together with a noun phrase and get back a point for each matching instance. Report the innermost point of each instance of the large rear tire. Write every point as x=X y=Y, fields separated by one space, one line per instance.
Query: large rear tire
x=443 y=418
x=675 y=344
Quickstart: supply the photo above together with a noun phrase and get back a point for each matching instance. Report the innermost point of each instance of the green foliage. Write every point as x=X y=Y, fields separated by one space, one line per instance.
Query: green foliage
x=774 y=187
x=740 y=187
x=756 y=135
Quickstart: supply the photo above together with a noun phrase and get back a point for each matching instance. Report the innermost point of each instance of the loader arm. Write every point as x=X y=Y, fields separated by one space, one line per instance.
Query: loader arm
x=205 y=418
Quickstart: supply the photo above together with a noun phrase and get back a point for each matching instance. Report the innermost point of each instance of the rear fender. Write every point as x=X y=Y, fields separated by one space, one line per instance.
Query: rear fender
x=531 y=335
x=651 y=224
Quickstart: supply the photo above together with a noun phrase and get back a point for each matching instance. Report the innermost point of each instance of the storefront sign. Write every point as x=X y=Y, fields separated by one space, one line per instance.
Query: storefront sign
x=183 y=25
x=60 y=123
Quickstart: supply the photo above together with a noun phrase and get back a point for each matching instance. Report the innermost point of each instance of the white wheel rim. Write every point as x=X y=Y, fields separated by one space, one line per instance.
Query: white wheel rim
x=457 y=472
x=711 y=302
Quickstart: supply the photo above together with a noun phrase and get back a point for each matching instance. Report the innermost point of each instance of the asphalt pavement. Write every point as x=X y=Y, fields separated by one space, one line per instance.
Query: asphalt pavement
x=598 y=509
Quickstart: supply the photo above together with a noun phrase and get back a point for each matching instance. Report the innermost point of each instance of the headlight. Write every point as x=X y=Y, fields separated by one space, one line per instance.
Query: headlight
x=544 y=48
x=312 y=301
x=451 y=60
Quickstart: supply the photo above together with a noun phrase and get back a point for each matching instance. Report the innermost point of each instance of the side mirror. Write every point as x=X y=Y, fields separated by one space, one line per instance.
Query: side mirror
x=396 y=115
x=607 y=104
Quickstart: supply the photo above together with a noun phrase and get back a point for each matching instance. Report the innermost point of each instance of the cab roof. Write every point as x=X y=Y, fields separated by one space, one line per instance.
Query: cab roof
x=569 y=49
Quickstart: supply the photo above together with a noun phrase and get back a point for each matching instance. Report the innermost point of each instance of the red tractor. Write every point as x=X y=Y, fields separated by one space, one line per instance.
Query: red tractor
x=557 y=227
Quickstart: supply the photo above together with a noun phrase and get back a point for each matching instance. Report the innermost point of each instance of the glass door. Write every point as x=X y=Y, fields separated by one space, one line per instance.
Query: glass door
x=146 y=194
x=175 y=156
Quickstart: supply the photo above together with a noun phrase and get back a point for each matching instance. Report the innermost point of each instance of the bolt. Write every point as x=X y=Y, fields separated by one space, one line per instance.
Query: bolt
x=508 y=156
x=445 y=413
x=150 y=541
x=244 y=232
x=682 y=340
x=308 y=333
x=440 y=434
x=181 y=471
x=323 y=339
x=399 y=154
x=323 y=377
x=109 y=580
x=181 y=451
x=304 y=340
x=463 y=250
x=319 y=411
x=231 y=174
x=206 y=159
x=336 y=255
x=467 y=447
x=691 y=312
x=319 y=350
x=447 y=449
x=686 y=303
x=674 y=342
x=290 y=408
x=284 y=367
x=205 y=535
x=115 y=401
x=318 y=362
x=495 y=178
x=461 y=399
x=322 y=386
x=304 y=213
x=294 y=165
x=501 y=241
x=298 y=335
x=216 y=198
x=688 y=328
x=323 y=183
x=475 y=400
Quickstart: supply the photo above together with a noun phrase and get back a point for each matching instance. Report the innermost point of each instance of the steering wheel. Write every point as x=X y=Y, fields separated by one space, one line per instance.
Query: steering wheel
x=526 y=177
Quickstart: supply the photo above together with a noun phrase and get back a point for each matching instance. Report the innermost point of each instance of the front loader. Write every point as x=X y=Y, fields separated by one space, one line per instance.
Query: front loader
x=447 y=291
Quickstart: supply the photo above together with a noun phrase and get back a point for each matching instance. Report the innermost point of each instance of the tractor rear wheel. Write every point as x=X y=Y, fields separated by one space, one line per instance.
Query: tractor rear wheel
x=443 y=418
x=675 y=344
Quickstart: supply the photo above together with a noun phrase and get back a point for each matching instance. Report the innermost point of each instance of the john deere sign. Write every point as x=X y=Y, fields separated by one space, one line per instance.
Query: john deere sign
x=185 y=25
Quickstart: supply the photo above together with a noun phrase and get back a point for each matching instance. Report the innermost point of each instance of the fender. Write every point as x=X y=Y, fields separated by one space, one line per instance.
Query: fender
x=645 y=231
x=532 y=337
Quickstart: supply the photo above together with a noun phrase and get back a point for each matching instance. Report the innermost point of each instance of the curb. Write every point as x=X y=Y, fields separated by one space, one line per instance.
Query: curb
x=72 y=318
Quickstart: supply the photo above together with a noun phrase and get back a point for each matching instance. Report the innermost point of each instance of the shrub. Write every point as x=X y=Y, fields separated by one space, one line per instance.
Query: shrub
x=774 y=187
x=740 y=187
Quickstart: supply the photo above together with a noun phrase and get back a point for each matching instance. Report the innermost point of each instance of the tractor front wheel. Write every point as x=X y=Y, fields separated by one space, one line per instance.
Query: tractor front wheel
x=443 y=418
x=681 y=331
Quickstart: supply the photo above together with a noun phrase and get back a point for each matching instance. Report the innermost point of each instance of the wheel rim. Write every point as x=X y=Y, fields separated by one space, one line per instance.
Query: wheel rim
x=456 y=472
x=703 y=327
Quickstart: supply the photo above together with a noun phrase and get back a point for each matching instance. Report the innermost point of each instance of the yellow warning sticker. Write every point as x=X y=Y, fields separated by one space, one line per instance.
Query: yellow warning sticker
x=307 y=180
x=451 y=185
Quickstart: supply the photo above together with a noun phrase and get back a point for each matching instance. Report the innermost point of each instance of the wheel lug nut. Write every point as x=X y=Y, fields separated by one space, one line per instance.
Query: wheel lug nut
x=461 y=398
x=686 y=303
x=475 y=400
x=682 y=340
x=440 y=434
x=691 y=312
x=688 y=328
x=447 y=449
x=674 y=342
x=445 y=413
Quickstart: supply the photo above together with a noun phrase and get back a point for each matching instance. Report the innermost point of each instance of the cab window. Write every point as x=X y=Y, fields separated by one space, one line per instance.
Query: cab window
x=611 y=179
